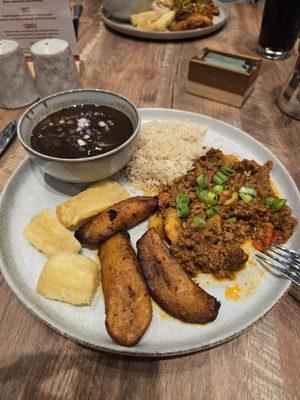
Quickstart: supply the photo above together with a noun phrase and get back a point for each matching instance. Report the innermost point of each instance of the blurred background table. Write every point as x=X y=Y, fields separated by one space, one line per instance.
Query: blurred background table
x=263 y=363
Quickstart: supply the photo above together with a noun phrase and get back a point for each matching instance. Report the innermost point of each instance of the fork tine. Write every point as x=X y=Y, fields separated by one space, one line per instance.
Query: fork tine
x=292 y=253
x=286 y=256
x=288 y=264
x=283 y=271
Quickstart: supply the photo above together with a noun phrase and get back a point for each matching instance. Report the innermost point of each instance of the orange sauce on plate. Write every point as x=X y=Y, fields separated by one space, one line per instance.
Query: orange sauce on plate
x=233 y=293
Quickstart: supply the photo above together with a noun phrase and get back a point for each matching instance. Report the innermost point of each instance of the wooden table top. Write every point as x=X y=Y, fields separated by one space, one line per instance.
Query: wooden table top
x=263 y=363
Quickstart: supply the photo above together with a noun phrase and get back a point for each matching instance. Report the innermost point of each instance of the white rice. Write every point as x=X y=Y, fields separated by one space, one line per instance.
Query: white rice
x=165 y=150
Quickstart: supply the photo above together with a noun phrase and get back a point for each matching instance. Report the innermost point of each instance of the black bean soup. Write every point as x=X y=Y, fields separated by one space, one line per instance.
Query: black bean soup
x=79 y=131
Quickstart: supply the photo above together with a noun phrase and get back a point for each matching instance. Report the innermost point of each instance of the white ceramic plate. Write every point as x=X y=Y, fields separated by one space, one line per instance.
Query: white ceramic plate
x=29 y=191
x=127 y=29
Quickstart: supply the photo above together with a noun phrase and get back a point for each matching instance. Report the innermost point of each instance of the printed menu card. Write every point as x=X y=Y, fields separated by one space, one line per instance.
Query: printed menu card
x=28 y=21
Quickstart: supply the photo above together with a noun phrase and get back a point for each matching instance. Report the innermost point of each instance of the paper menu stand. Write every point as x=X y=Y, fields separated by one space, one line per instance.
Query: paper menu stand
x=28 y=21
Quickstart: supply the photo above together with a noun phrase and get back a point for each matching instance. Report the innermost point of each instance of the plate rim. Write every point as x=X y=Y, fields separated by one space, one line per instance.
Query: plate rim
x=135 y=352
x=127 y=29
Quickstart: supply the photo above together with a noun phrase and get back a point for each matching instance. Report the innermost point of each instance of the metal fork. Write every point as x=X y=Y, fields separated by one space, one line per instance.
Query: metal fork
x=283 y=260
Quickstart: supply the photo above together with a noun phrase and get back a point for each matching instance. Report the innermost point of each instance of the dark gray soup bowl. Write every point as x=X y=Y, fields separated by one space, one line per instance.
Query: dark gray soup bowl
x=79 y=170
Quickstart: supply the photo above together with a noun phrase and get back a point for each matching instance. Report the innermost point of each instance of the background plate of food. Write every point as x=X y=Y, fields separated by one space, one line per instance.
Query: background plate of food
x=172 y=20
x=226 y=191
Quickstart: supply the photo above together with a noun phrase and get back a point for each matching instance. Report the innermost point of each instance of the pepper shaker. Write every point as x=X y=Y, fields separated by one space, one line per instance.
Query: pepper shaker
x=54 y=67
x=289 y=100
x=16 y=83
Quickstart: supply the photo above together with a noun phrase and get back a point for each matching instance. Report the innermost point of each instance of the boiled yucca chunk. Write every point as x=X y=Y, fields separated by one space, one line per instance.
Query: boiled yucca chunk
x=145 y=26
x=78 y=209
x=143 y=18
x=48 y=235
x=164 y=21
x=68 y=277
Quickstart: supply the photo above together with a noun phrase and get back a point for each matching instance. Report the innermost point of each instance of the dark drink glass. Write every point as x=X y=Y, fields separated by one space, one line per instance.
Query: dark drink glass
x=280 y=28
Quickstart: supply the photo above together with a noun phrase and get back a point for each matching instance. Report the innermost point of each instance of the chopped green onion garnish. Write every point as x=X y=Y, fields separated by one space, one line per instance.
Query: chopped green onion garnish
x=274 y=203
x=210 y=213
x=248 y=190
x=280 y=204
x=184 y=197
x=182 y=205
x=220 y=178
x=217 y=180
x=218 y=188
x=271 y=201
x=247 y=198
x=228 y=170
x=207 y=197
x=201 y=4
x=218 y=163
x=212 y=197
x=231 y=220
x=199 y=221
x=202 y=182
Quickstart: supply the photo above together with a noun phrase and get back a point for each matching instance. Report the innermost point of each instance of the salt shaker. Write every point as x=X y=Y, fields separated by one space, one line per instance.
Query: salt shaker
x=54 y=66
x=16 y=83
x=289 y=100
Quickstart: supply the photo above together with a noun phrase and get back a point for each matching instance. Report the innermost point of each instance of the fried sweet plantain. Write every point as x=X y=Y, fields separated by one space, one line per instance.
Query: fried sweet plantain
x=127 y=302
x=169 y=284
x=121 y=216
x=194 y=21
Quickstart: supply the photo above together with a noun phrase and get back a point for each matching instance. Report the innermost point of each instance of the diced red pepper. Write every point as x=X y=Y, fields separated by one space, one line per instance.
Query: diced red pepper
x=267 y=230
x=162 y=198
x=258 y=246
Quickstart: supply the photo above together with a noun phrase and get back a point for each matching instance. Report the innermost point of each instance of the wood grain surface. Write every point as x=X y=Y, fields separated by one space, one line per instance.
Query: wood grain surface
x=263 y=363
